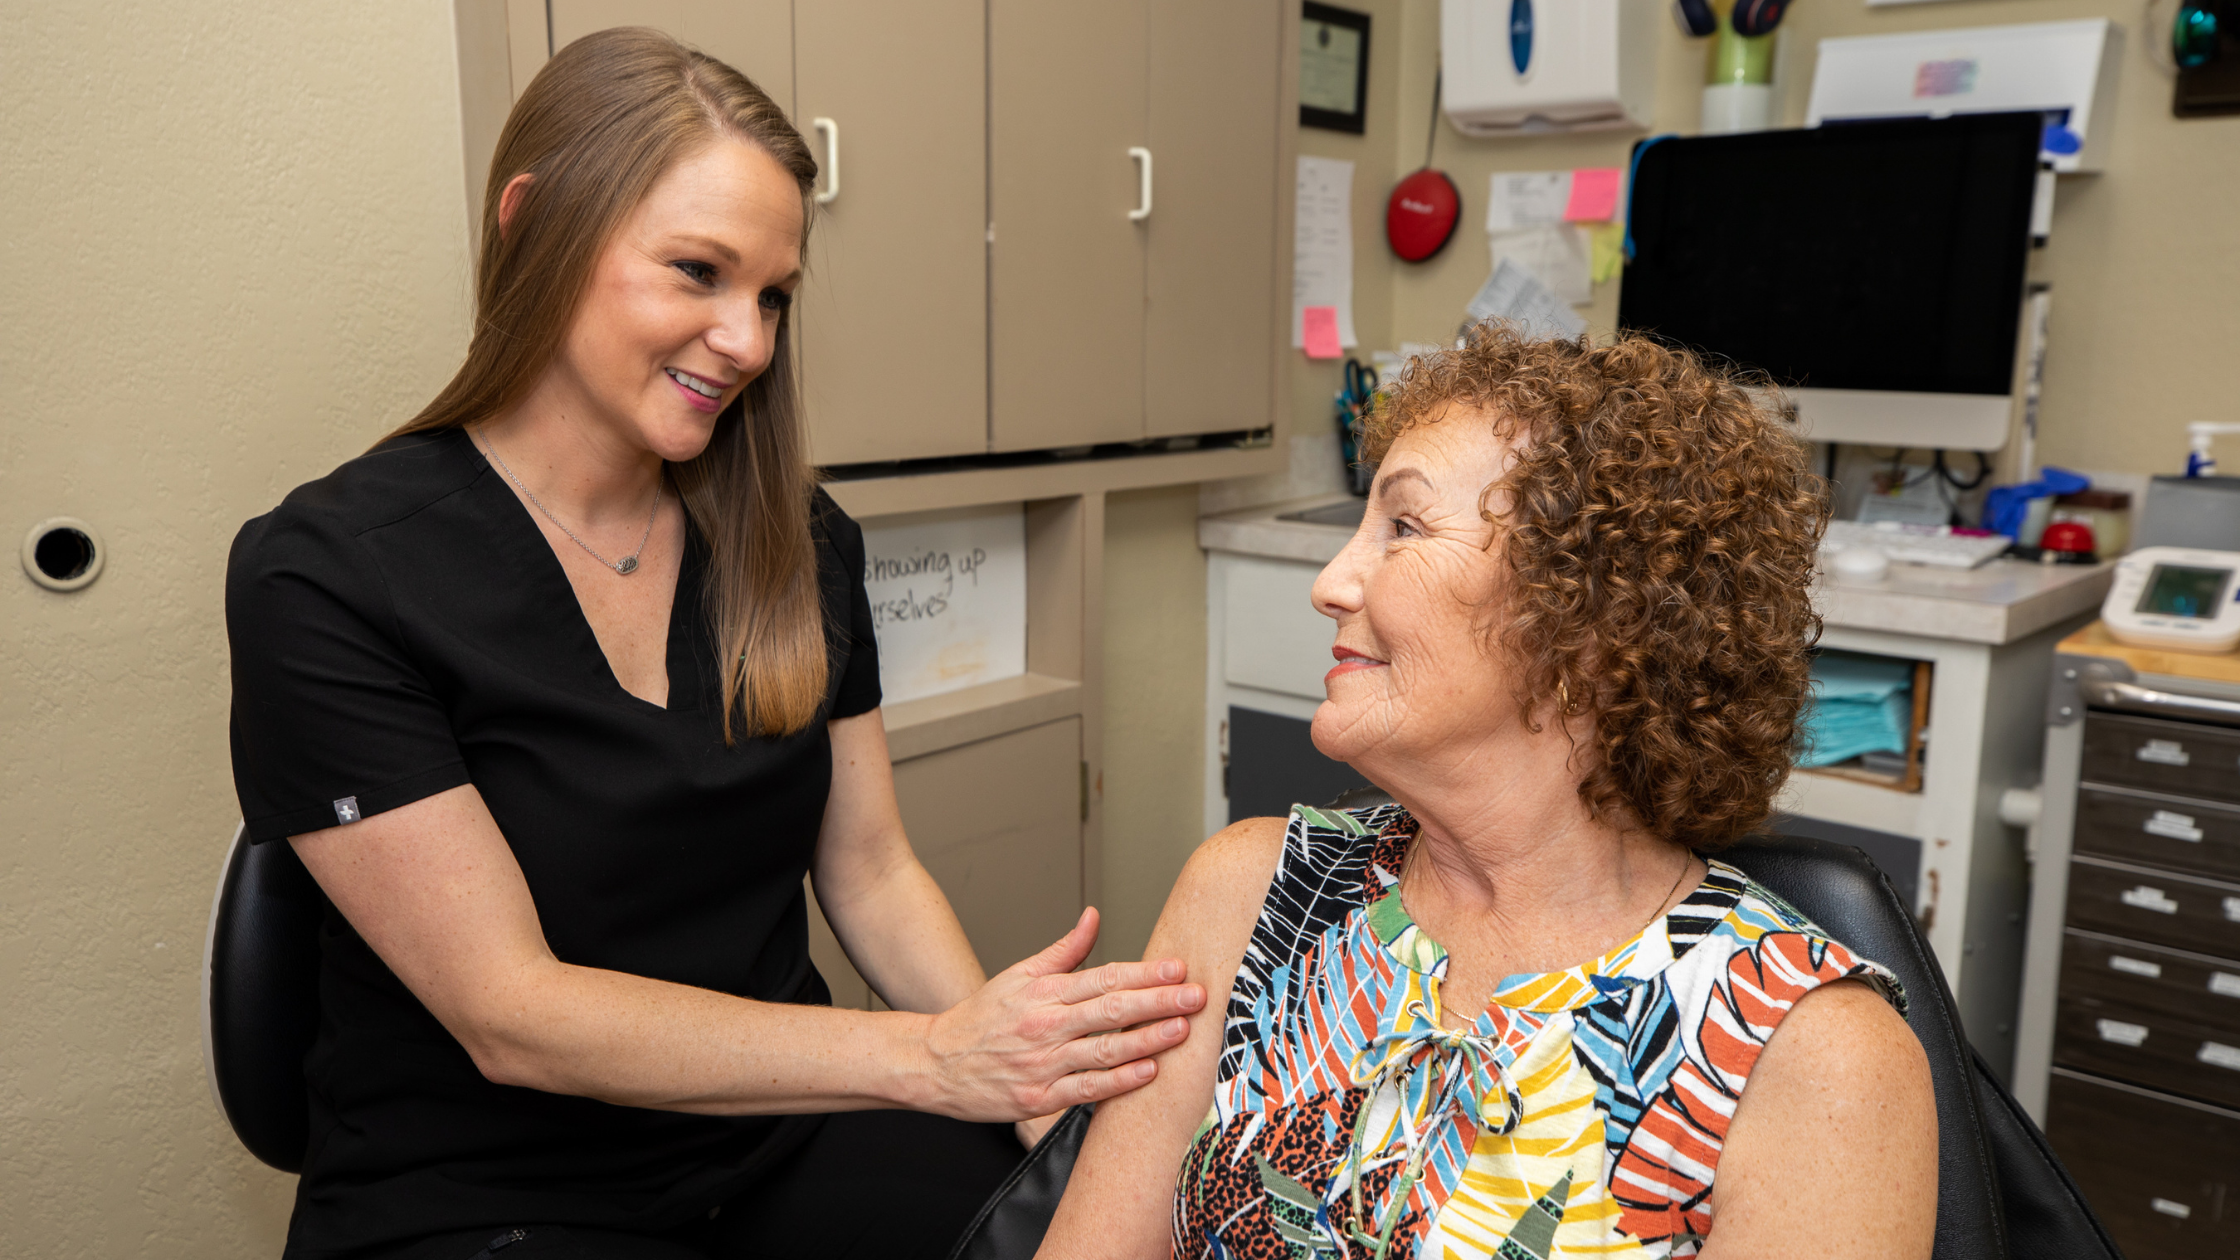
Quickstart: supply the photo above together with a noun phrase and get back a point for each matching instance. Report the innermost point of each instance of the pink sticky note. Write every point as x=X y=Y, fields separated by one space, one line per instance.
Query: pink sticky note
x=1594 y=195
x=1321 y=329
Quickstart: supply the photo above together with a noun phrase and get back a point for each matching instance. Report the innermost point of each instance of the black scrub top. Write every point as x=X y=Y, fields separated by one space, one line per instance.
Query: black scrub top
x=401 y=627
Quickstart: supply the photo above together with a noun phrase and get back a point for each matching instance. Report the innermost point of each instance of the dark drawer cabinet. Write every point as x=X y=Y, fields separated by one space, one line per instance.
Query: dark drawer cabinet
x=2169 y=982
x=2157 y=830
x=2182 y=758
x=2149 y=1048
x=2162 y=1173
x=2161 y=907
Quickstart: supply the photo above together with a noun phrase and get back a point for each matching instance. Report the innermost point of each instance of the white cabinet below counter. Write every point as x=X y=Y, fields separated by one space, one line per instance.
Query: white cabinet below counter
x=1267 y=650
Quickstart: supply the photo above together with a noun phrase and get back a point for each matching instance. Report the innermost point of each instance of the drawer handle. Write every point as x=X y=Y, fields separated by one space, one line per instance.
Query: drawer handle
x=2232 y=909
x=2136 y=966
x=2145 y=898
x=2124 y=1034
x=2224 y=984
x=2164 y=752
x=2171 y=825
x=2170 y=1207
x=2103 y=693
x=2218 y=1054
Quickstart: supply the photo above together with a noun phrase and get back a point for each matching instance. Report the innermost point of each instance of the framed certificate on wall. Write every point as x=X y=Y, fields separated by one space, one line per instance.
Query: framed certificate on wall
x=1333 y=68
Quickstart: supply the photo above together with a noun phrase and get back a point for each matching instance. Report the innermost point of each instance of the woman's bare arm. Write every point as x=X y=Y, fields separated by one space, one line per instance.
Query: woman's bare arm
x=1833 y=1149
x=1122 y=1193
x=435 y=891
x=893 y=920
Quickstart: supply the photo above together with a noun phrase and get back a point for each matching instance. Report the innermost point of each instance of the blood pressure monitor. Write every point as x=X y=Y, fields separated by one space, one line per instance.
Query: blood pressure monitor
x=2176 y=597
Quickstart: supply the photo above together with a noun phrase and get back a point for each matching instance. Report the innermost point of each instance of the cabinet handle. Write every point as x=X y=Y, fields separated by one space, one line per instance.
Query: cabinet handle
x=830 y=130
x=2133 y=698
x=1142 y=158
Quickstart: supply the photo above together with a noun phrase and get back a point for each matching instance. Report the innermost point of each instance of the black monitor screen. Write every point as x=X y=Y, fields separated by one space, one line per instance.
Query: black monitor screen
x=1876 y=255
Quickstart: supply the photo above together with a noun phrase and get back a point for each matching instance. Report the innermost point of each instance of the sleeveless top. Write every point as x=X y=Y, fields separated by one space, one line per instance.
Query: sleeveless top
x=1583 y=1116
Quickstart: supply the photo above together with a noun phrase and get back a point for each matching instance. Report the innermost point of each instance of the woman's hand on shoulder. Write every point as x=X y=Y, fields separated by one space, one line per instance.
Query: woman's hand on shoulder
x=1833 y=1148
x=1122 y=1190
x=1041 y=1037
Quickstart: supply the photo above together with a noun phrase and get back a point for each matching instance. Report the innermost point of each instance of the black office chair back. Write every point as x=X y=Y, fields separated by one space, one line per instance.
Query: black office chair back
x=2001 y=1194
x=260 y=997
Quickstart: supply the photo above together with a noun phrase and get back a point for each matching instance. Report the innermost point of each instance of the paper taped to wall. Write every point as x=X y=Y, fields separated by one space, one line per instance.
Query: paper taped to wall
x=1526 y=199
x=1322 y=246
x=948 y=599
x=1514 y=294
x=1558 y=255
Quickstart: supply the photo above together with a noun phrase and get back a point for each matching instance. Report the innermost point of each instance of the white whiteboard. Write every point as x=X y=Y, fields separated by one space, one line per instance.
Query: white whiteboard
x=948 y=598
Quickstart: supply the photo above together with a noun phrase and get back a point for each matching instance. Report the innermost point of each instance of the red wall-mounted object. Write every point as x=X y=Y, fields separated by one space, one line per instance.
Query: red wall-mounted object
x=1420 y=218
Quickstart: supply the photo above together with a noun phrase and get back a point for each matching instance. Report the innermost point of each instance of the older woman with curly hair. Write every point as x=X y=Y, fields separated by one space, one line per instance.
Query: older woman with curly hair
x=1519 y=1012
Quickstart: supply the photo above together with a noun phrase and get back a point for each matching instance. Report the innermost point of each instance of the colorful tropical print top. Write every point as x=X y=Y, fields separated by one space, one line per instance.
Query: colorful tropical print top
x=1583 y=1116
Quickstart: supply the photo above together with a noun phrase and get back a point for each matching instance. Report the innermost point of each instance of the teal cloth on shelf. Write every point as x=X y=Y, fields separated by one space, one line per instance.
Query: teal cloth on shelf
x=1859 y=704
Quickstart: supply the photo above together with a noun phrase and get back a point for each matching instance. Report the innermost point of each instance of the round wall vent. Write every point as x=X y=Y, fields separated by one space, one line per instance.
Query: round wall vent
x=63 y=554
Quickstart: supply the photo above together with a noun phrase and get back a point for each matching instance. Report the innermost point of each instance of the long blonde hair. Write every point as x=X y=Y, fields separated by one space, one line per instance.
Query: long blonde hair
x=604 y=120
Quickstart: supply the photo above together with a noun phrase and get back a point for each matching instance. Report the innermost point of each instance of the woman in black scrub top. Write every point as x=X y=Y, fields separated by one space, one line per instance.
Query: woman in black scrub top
x=559 y=691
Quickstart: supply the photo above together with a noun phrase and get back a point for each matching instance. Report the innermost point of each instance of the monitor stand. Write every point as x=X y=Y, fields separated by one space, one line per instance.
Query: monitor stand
x=1874 y=417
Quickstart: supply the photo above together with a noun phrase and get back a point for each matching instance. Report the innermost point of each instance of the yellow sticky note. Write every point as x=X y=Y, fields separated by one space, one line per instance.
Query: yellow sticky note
x=1609 y=251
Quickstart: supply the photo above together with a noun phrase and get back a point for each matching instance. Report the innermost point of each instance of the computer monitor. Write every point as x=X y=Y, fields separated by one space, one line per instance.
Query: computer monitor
x=1874 y=270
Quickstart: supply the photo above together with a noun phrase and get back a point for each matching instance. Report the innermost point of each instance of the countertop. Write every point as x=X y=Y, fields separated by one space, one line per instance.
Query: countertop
x=2094 y=640
x=1996 y=603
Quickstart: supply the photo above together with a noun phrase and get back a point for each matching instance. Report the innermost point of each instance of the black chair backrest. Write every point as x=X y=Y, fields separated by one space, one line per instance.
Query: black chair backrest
x=1837 y=887
x=260 y=997
x=2000 y=1190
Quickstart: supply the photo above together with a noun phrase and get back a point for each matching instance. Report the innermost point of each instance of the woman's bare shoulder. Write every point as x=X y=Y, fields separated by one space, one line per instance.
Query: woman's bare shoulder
x=1247 y=846
x=1215 y=901
x=1840 y=1097
x=1217 y=897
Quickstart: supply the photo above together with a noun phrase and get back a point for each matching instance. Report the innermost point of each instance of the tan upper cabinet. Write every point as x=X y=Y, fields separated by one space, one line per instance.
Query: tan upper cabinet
x=894 y=307
x=1126 y=302
x=1051 y=223
x=1210 y=303
x=1066 y=93
x=754 y=36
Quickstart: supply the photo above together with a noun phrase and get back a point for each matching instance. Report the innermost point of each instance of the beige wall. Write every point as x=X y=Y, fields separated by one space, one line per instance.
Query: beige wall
x=1154 y=706
x=232 y=244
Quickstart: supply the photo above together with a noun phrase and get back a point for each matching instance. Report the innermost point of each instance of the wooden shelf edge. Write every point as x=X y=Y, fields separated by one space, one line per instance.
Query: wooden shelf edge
x=970 y=714
x=928 y=492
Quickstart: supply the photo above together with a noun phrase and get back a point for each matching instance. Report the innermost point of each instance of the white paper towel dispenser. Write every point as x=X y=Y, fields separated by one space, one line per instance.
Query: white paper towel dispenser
x=1516 y=67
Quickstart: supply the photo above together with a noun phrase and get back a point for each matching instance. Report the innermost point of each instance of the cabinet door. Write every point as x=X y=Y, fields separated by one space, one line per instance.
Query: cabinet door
x=894 y=309
x=998 y=825
x=1210 y=312
x=1066 y=83
x=755 y=37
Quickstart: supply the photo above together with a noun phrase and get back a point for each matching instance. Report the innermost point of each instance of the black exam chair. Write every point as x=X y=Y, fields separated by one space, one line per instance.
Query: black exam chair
x=2001 y=1193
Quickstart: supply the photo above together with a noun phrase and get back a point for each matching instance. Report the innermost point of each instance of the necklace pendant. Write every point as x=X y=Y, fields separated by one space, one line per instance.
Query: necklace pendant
x=626 y=565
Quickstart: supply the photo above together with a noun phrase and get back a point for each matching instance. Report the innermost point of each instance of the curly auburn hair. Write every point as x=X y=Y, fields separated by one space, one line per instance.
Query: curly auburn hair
x=1661 y=535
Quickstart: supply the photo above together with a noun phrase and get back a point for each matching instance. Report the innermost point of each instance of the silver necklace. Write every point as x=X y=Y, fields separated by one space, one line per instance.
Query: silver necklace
x=626 y=565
